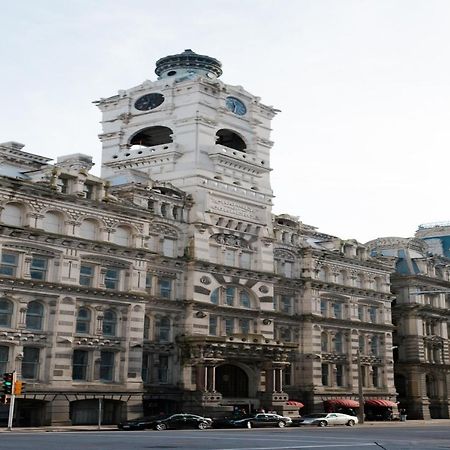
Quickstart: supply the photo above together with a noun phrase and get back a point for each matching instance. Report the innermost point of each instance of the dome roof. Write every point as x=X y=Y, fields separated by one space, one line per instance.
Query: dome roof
x=188 y=60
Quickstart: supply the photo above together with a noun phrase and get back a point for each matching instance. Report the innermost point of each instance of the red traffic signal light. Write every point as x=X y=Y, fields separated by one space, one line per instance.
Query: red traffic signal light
x=8 y=379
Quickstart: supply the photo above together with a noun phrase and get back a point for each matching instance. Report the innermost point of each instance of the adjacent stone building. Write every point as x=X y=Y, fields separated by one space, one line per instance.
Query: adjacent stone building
x=167 y=284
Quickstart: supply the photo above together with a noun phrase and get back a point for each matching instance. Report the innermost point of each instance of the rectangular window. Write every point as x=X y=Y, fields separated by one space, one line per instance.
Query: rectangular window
x=337 y=310
x=165 y=288
x=86 y=275
x=323 y=307
x=4 y=352
x=213 y=325
x=325 y=375
x=286 y=304
x=149 y=282
x=339 y=375
x=245 y=326
x=169 y=248
x=30 y=363
x=8 y=264
x=375 y=376
x=146 y=367
x=106 y=366
x=373 y=314
x=229 y=326
x=361 y=312
x=287 y=377
x=163 y=369
x=245 y=260
x=112 y=278
x=79 y=364
x=38 y=270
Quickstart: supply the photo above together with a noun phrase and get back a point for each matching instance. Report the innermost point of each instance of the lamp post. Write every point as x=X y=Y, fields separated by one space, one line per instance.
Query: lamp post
x=360 y=389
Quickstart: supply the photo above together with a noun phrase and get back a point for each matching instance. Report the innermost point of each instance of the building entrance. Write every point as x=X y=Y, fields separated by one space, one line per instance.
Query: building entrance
x=231 y=381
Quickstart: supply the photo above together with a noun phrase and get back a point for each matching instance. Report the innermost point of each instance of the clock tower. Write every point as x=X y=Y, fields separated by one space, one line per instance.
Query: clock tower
x=205 y=137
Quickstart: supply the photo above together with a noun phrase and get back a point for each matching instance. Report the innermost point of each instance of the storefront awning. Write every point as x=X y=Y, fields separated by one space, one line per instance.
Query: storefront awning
x=344 y=402
x=380 y=402
x=295 y=403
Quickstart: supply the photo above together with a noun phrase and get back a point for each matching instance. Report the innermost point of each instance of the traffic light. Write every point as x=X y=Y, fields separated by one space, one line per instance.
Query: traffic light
x=19 y=387
x=8 y=382
x=4 y=400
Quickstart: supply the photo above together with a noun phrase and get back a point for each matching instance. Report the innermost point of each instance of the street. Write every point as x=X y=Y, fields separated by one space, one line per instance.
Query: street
x=389 y=438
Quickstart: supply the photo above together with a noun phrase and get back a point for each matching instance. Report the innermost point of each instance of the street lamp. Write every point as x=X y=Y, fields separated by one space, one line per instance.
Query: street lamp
x=360 y=389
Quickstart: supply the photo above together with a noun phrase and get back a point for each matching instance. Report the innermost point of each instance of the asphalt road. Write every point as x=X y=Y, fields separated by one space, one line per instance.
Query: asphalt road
x=388 y=438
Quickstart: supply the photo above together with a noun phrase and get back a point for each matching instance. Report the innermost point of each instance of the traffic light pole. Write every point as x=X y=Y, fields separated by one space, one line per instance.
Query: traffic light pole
x=11 y=403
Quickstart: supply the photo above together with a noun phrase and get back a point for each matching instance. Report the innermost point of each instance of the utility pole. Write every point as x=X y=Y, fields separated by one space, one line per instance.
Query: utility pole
x=12 y=401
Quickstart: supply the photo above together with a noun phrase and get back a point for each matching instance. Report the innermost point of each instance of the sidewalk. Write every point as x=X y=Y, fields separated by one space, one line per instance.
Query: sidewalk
x=75 y=428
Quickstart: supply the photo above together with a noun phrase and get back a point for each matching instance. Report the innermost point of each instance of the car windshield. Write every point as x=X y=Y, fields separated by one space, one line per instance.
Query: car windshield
x=315 y=416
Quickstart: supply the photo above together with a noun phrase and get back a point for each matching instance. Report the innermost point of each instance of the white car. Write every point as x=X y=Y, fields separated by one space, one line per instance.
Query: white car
x=325 y=419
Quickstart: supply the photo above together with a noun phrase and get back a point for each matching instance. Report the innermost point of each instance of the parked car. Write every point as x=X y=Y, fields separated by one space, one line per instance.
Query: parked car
x=325 y=419
x=174 y=421
x=262 y=420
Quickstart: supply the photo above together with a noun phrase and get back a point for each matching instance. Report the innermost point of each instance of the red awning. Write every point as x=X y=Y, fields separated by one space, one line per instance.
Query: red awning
x=345 y=402
x=380 y=402
x=295 y=403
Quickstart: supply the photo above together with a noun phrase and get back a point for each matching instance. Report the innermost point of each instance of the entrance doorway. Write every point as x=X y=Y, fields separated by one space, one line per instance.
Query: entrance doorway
x=231 y=381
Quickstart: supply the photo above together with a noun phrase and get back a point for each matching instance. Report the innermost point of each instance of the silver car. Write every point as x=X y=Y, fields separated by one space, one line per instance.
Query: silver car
x=325 y=419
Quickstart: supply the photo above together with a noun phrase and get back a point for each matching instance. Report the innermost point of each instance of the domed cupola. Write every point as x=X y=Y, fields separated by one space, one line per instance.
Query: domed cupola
x=188 y=63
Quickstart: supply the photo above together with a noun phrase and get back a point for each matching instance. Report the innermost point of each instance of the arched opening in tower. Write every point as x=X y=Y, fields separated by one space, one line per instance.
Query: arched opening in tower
x=230 y=139
x=152 y=136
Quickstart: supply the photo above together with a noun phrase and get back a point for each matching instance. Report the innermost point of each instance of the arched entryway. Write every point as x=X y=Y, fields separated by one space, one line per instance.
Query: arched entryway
x=231 y=381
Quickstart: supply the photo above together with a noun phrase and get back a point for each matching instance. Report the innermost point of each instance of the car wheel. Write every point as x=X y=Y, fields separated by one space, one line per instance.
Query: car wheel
x=281 y=424
x=202 y=426
x=350 y=423
x=322 y=423
x=160 y=427
x=249 y=424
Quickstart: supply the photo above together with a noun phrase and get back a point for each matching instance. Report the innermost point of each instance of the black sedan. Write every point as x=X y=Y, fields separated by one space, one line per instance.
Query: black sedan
x=257 y=420
x=174 y=422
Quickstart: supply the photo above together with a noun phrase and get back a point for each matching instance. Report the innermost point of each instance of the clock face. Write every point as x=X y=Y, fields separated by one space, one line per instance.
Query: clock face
x=149 y=101
x=235 y=106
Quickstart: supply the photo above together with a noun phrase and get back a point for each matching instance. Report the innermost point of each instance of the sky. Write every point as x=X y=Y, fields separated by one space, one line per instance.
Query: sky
x=363 y=137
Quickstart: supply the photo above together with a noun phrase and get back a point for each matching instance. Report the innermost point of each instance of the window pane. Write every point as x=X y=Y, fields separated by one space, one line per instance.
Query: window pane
x=6 y=309
x=165 y=287
x=112 y=279
x=38 y=270
x=4 y=353
x=163 y=330
x=109 y=323
x=163 y=369
x=8 y=265
x=213 y=325
x=86 y=275
x=30 y=362
x=229 y=296
x=245 y=299
x=34 y=318
x=229 y=326
x=106 y=366
x=215 y=296
x=83 y=321
x=79 y=364
x=286 y=303
x=245 y=326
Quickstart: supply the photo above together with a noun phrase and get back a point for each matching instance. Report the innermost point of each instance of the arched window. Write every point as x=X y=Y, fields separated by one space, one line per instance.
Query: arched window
x=244 y=299
x=6 y=310
x=89 y=229
x=109 y=323
x=121 y=236
x=53 y=222
x=13 y=214
x=163 y=329
x=152 y=136
x=83 y=321
x=230 y=139
x=324 y=342
x=338 y=343
x=146 y=327
x=35 y=316
x=229 y=295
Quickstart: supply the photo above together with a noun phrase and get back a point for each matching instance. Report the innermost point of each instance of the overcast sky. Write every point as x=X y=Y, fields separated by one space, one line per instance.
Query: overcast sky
x=362 y=142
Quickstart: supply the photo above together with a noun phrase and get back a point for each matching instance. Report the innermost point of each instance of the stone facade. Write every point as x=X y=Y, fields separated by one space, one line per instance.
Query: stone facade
x=168 y=284
x=421 y=284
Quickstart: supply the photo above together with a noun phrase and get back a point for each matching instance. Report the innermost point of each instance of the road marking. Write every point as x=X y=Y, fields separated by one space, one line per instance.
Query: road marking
x=363 y=444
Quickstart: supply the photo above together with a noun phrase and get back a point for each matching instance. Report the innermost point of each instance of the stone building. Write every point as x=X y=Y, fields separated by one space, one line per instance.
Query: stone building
x=421 y=284
x=167 y=283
